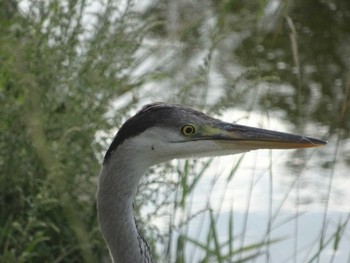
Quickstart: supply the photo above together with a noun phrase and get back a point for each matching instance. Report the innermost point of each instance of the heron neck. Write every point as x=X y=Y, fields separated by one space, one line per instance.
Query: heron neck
x=118 y=183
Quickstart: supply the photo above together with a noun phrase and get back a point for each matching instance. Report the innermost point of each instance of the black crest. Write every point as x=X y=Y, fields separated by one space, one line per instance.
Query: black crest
x=149 y=116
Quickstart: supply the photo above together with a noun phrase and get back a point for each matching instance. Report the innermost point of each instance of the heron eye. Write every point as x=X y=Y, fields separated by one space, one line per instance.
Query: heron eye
x=188 y=129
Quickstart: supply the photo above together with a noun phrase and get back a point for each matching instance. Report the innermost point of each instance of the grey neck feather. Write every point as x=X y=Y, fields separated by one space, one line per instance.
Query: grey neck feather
x=118 y=183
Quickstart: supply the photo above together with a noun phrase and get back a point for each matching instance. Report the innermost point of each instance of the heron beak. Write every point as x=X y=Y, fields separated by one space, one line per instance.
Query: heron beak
x=255 y=138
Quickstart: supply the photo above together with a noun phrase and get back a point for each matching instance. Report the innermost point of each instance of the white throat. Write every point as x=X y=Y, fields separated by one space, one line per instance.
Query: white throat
x=118 y=183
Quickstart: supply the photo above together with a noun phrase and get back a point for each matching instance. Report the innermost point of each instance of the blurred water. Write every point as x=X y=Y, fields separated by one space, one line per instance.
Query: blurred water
x=298 y=241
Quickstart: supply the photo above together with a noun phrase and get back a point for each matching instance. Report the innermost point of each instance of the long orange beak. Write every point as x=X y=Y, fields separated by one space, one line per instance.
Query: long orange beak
x=229 y=135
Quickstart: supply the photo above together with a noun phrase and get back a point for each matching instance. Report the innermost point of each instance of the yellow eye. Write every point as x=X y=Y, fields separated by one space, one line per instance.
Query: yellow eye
x=188 y=129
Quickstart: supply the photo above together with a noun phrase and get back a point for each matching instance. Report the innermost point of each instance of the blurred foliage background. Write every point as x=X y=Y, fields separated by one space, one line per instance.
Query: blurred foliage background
x=72 y=69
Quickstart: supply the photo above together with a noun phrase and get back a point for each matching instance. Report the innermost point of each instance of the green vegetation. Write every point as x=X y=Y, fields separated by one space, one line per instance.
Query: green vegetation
x=63 y=64
x=58 y=80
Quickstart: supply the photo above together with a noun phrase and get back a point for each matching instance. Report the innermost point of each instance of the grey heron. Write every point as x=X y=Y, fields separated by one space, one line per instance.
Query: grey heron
x=158 y=133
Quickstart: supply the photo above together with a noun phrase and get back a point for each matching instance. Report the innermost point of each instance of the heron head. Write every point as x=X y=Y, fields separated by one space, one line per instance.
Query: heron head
x=161 y=132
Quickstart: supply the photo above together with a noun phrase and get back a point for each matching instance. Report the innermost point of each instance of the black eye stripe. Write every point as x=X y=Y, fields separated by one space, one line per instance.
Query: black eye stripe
x=188 y=129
